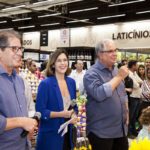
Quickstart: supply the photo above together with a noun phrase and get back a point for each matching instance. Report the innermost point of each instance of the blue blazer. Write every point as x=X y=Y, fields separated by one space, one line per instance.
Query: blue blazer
x=49 y=99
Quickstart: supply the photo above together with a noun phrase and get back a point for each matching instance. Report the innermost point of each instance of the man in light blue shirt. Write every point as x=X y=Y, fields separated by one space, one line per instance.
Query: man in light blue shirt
x=107 y=111
x=13 y=107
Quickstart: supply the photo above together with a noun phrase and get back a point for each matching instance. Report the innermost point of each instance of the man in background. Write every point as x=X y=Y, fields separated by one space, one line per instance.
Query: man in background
x=78 y=75
x=107 y=105
x=13 y=105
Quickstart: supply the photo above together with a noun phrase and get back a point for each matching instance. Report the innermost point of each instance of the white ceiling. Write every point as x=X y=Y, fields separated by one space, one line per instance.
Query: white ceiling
x=14 y=1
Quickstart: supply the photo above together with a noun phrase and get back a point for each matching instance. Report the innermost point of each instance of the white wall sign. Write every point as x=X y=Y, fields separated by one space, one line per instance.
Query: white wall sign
x=31 y=40
x=126 y=35
x=64 y=37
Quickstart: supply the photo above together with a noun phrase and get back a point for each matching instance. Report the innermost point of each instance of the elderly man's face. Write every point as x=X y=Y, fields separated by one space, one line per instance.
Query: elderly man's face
x=109 y=56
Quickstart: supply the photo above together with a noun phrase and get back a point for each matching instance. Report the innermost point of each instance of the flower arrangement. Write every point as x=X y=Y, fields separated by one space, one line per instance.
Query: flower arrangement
x=82 y=142
x=142 y=144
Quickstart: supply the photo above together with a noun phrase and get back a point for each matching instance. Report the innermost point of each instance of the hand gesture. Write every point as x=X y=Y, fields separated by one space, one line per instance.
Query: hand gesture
x=123 y=72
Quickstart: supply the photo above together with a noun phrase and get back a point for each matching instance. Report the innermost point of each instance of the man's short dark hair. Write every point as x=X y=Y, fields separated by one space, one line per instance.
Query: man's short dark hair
x=132 y=63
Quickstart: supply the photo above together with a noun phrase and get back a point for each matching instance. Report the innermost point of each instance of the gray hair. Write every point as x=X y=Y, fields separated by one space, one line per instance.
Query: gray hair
x=6 y=35
x=102 y=45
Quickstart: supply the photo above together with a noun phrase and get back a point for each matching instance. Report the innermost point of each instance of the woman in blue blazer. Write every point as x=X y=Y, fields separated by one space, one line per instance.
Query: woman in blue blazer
x=53 y=99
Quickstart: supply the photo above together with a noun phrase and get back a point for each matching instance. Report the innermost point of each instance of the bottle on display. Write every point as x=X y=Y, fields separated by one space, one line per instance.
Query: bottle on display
x=82 y=55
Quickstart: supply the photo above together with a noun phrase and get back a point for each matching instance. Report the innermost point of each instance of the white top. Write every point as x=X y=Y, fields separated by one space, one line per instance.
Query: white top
x=78 y=77
x=66 y=102
x=144 y=133
x=137 y=81
x=28 y=95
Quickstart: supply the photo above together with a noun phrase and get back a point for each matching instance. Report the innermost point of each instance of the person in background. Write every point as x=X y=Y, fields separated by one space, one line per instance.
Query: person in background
x=78 y=75
x=27 y=62
x=13 y=104
x=43 y=68
x=135 y=97
x=145 y=91
x=128 y=83
x=145 y=122
x=141 y=72
x=147 y=63
x=107 y=105
x=54 y=97
x=32 y=66
x=122 y=63
x=28 y=93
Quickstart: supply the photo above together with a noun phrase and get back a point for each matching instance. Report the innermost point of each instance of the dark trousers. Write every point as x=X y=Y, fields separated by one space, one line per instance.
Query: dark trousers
x=108 y=144
x=66 y=145
x=134 y=109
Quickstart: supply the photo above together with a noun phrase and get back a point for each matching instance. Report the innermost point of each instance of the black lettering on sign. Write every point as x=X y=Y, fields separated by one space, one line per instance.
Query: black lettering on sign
x=27 y=42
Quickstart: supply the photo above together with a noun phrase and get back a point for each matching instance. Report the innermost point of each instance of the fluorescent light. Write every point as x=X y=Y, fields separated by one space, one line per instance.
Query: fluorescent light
x=26 y=27
x=80 y=10
x=52 y=24
x=6 y=29
x=56 y=3
x=48 y=15
x=3 y=21
x=143 y=12
x=67 y=2
x=9 y=8
x=84 y=20
x=121 y=15
x=42 y=2
x=22 y=19
x=125 y=3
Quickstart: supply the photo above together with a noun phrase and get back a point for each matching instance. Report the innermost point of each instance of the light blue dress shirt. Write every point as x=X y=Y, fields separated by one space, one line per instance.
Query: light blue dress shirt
x=12 y=104
x=106 y=111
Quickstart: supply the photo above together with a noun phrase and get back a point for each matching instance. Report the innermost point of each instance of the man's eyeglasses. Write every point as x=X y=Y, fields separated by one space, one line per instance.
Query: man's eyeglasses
x=15 y=49
x=110 y=51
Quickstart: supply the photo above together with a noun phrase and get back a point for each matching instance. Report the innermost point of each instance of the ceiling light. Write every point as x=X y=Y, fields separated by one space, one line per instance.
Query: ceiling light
x=42 y=2
x=121 y=15
x=143 y=12
x=52 y=24
x=3 y=21
x=80 y=10
x=26 y=27
x=6 y=29
x=67 y=2
x=48 y=15
x=9 y=8
x=125 y=3
x=84 y=20
x=20 y=19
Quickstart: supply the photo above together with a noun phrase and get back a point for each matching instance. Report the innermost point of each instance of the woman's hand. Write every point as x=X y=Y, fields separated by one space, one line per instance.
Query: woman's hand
x=75 y=118
x=67 y=113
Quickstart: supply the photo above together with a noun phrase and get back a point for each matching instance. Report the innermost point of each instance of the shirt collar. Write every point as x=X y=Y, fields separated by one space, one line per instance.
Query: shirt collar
x=101 y=66
x=3 y=71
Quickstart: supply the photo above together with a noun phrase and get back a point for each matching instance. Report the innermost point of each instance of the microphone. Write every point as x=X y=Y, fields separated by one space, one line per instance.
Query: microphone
x=72 y=104
x=37 y=117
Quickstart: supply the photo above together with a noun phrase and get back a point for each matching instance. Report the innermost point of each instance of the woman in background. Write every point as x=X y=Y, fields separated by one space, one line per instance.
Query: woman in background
x=53 y=100
x=141 y=72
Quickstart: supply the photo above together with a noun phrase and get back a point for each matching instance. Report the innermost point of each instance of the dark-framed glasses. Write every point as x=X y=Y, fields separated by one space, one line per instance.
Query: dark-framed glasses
x=15 y=49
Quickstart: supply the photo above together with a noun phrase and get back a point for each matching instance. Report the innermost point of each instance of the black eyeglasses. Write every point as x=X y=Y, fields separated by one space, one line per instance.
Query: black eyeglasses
x=110 y=51
x=15 y=49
